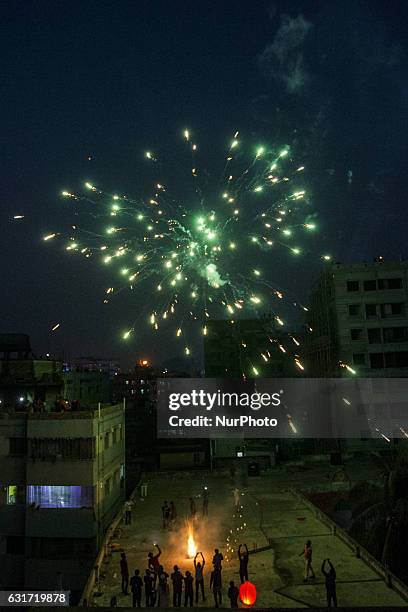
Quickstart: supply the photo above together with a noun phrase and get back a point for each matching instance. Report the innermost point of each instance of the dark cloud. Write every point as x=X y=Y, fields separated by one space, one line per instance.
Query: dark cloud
x=283 y=59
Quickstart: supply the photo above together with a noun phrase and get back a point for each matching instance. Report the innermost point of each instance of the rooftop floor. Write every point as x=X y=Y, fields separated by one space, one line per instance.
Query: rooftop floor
x=269 y=510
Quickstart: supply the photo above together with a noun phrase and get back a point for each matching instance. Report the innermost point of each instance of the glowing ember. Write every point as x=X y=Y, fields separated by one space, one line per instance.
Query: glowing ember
x=191 y=545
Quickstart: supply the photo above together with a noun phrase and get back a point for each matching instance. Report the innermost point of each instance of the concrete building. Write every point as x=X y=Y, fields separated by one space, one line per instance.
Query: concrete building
x=232 y=350
x=25 y=379
x=96 y=364
x=62 y=482
x=87 y=387
x=61 y=475
x=144 y=451
x=359 y=317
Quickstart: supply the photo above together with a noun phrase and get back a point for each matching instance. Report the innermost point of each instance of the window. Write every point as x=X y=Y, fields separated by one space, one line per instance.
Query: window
x=358 y=358
x=62 y=548
x=395 y=283
x=114 y=434
x=369 y=285
x=353 y=285
x=376 y=361
x=371 y=311
x=107 y=440
x=81 y=449
x=354 y=310
x=399 y=359
x=17 y=446
x=395 y=334
x=356 y=334
x=374 y=335
x=15 y=494
x=390 y=360
x=390 y=283
x=390 y=310
x=60 y=497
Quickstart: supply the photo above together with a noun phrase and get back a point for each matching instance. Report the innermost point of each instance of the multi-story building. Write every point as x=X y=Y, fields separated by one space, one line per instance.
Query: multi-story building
x=96 y=364
x=61 y=475
x=232 y=350
x=144 y=451
x=359 y=318
x=25 y=379
x=87 y=387
x=62 y=482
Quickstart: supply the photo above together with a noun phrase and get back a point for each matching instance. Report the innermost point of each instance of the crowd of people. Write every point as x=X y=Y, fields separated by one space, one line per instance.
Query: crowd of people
x=38 y=406
x=155 y=583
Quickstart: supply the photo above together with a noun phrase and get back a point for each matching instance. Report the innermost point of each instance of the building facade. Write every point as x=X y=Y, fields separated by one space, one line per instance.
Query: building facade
x=87 y=387
x=144 y=451
x=233 y=350
x=96 y=364
x=62 y=476
x=62 y=482
x=359 y=318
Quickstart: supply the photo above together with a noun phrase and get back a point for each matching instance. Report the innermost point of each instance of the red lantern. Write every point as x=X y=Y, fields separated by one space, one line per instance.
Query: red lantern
x=247 y=593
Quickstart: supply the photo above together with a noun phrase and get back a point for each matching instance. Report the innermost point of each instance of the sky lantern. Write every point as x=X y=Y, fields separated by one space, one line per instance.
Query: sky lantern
x=247 y=593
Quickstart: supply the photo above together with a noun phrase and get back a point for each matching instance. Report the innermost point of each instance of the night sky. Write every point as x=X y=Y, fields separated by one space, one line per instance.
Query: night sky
x=112 y=79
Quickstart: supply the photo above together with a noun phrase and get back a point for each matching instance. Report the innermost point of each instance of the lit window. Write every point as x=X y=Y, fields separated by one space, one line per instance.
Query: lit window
x=60 y=497
x=11 y=495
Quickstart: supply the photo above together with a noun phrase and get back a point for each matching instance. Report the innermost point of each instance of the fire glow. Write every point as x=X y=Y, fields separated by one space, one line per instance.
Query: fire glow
x=191 y=545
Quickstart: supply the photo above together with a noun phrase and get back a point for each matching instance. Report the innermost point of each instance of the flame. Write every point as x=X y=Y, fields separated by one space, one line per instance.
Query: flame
x=191 y=545
x=246 y=600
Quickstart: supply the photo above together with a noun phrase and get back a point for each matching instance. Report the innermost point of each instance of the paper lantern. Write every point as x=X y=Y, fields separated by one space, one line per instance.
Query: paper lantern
x=247 y=593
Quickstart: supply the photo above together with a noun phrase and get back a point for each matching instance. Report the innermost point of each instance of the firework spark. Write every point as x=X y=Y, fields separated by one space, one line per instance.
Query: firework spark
x=199 y=256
